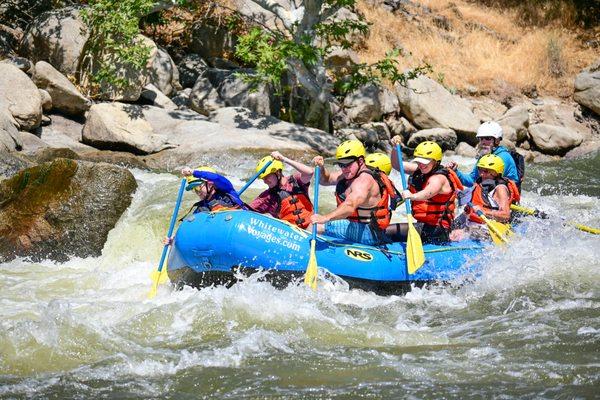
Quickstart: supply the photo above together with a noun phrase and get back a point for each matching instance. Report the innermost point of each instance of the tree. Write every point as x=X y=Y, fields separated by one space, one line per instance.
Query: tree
x=296 y=42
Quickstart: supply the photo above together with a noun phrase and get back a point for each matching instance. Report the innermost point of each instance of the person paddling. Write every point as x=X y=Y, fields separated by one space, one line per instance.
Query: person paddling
x=493 y=194
x=287 y=196
x=432 y=189
x=362 y=197
x=214 y=191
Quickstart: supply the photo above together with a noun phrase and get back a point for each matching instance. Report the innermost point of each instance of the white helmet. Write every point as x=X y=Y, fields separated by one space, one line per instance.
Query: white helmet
x=490 y=129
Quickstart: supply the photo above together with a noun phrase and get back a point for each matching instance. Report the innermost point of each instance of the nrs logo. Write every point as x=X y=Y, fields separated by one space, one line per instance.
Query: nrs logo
x=359 y=255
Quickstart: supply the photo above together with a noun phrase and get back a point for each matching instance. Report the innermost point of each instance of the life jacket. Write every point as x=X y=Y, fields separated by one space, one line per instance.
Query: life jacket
x=220 y=201
x=438 y=210
x=295 y=205
x=482 y=190
x=379 y=215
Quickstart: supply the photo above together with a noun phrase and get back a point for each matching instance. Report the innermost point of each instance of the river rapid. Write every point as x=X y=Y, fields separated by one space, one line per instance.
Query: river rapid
x=527 y=327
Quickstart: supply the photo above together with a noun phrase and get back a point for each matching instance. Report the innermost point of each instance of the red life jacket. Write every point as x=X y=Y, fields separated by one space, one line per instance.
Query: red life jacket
x=438 y=210
x=481 y=191
x=295 y=205
x=380 y=215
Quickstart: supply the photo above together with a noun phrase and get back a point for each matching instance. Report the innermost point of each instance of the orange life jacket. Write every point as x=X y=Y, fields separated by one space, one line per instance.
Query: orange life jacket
x=438 y=210
x=481 y=191
x=380 y=215
x=295 y=205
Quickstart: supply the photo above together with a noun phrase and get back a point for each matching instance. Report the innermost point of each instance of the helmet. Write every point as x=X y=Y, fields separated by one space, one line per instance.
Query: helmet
x=192 y=181
x=380 y=161
x=490 y=129
x=493 y=162
x=275 y=166
x=429 y=151
x=350 y=149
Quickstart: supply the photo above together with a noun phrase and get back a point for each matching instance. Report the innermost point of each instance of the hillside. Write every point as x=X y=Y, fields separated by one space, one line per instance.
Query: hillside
x=480 y=50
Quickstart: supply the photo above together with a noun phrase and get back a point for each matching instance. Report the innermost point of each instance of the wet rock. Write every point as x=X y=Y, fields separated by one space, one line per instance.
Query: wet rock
x=61 y=209
x=12 y=162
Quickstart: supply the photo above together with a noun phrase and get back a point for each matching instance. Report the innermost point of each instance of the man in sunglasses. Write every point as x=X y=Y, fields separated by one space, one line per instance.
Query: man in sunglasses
x=489 y=135
x=362 y=197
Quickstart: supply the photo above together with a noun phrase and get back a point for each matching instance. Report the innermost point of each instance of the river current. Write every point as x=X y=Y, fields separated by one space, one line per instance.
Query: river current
x=527 y=327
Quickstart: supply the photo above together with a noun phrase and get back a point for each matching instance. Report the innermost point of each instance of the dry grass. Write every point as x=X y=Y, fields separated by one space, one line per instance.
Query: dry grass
x=484 y=48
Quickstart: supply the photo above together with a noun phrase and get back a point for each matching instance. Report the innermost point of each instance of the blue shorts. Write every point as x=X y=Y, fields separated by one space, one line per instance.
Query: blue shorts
x=351 y=231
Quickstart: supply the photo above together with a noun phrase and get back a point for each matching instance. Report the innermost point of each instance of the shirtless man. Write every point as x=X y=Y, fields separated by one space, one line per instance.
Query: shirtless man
x=362 y=196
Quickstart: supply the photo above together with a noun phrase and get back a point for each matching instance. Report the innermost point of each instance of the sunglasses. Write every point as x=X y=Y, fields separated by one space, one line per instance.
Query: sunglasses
x=345 y=165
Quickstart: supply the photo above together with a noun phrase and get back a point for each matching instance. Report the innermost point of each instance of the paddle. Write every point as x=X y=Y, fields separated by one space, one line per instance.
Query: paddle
x=415 y=257
x=498 y=231
x=310 y=277
x=247 y=185
x=540 y=214
x=158 y=276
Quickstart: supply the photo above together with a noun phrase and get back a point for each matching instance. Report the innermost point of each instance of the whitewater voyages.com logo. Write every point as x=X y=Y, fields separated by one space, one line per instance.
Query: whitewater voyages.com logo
x=276 y=235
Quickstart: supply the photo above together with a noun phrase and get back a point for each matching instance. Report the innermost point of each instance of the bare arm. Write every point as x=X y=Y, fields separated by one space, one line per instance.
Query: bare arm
x=434 y=186
x=306 y=172
x=409 y=167
x=358 y=195
x=327 y=178
x=502 y=197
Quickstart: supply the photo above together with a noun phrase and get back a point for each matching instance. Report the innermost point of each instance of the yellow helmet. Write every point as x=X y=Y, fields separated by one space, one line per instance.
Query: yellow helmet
x=275 y=166
x=379 y=161
x=350 y=149
x=192 y=181
x=429 y=150
x=493 y=162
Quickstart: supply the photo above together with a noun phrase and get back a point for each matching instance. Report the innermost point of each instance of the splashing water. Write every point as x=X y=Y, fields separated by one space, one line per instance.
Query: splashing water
x=527 y=326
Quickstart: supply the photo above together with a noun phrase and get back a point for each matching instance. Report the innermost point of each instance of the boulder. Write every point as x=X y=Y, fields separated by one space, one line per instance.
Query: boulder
x=152 y=96
x=12 y=162
x=446 y=138
x=559 y=113
x=118 y=126
x=46 y=101
x=585 y=150
x=236 y=92
x=9 y=134
x=204 y=98
x=61 y=209
x=190 y=68
x=514 y=123
x=587 y=88
x=57 y=37
x=120 y=158
x=163 y=72
x=486 y=109
x=399 y=126
x=427 y=104
x=554 y=140
x=20 y=96
x=369 y=102
x=65 y=96
x=212 y=41
x=466 y=150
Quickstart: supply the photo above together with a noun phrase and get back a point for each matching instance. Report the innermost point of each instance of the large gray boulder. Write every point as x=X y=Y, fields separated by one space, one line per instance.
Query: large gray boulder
x=118 y=126
x=446 y=138
x=514 y=123
x=12 y=162
x=369 y=103
x=20 y=96
x=62 y=209
x=427 y=104
x=554 y=140
x=57 y=37
x=587 y=88
x=65 y=96
x=9 y=134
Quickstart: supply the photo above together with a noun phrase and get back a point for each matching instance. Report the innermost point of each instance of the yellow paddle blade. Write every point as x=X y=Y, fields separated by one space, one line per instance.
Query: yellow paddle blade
x=157 y=278
x=414 y=248
x=499 y=232
x=522 y=209
x=310 y=277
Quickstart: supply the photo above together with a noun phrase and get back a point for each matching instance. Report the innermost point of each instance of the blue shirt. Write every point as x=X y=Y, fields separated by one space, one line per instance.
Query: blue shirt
x=222 y=185
x=510 y=169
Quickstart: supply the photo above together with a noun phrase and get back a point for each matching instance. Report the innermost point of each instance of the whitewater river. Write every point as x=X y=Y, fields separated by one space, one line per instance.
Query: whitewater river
x=527 y=327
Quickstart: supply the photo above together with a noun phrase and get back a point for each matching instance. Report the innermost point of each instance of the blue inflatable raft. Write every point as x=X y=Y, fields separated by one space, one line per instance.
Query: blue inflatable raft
x=210 y=247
